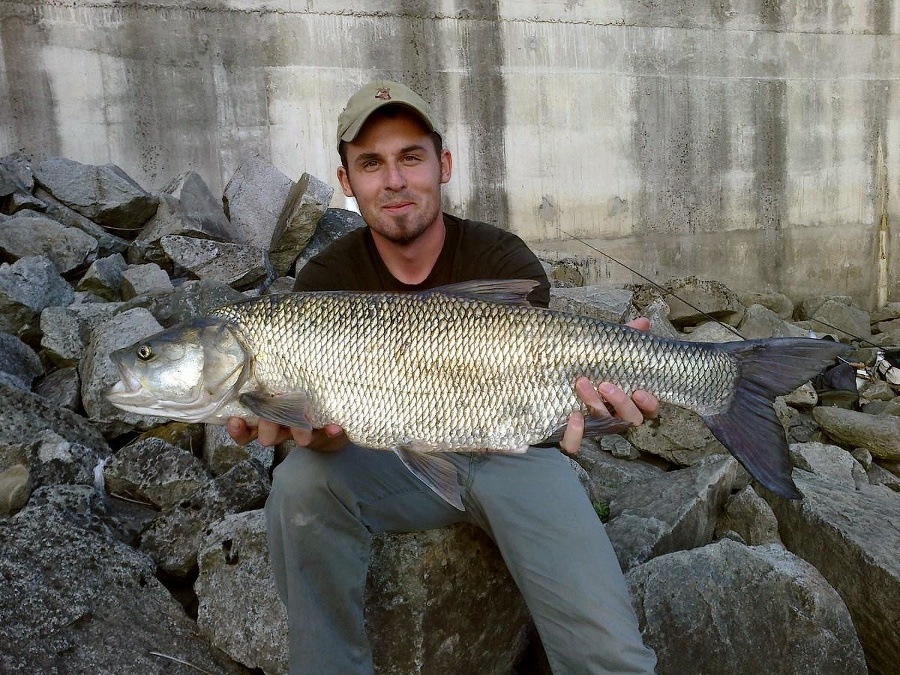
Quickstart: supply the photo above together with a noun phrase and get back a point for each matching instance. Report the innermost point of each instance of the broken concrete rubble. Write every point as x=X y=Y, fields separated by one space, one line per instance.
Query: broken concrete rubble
x=182 y=503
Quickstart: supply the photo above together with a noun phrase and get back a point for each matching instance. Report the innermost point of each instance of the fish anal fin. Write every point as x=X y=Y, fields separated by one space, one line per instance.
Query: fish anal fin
x=285 y=409
x=594 y=426
x=436 y=472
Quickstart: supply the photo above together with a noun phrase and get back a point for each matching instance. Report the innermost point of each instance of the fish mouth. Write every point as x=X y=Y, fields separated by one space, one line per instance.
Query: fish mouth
x=128 y=383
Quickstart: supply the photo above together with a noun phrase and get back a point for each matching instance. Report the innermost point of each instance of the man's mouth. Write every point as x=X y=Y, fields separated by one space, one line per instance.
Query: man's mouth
x=396 y=207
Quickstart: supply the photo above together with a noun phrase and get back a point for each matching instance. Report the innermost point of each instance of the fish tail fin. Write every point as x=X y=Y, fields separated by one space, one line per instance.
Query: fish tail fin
x=749 y=428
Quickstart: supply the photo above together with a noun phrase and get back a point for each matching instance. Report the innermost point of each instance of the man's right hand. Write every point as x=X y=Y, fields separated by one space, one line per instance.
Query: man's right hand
x=328 y=439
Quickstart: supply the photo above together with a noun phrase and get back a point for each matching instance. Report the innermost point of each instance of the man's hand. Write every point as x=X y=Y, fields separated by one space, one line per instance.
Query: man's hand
x=639 y=406
x=329 y=439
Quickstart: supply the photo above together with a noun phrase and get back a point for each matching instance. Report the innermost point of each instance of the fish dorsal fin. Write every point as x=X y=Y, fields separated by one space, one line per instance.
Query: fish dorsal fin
x=504 y=291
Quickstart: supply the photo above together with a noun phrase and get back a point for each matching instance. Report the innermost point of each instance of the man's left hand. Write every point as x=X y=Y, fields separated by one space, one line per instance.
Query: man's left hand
x=636 y=408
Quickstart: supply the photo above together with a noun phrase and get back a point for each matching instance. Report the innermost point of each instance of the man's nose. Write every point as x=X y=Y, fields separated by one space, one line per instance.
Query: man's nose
x=395 y=178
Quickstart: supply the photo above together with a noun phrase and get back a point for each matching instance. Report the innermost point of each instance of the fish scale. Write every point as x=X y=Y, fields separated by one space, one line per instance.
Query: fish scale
x=470 y=367
x=458 y=373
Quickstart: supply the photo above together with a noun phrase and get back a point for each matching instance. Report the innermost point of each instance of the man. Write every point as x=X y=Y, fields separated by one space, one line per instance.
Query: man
x=328 y=496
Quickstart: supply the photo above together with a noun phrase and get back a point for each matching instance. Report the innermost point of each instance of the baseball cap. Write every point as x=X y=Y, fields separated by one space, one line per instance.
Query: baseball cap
x=372 y=97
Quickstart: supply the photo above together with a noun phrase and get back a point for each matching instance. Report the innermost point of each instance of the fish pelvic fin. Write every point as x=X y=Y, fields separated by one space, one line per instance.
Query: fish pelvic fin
x=286 y=409
x=436 y=472
x=749 y=427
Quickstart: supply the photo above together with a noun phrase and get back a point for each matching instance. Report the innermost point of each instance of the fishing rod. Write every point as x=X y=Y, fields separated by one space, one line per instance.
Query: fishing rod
x=666 y=291
x=661 y=289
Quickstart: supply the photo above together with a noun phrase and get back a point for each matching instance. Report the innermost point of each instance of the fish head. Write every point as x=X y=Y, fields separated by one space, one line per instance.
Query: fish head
x=184 y=373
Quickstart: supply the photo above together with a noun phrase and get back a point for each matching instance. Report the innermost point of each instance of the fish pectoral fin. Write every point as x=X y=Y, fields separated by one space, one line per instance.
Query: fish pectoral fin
x=436 y=472
x=594 y=426
x=286 y=409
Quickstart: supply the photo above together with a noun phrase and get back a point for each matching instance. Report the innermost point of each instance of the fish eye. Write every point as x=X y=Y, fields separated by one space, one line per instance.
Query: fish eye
x=144 y=353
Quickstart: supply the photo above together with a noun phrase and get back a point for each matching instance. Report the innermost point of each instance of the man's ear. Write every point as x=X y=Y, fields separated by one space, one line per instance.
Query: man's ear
x=446 y=165
x=344 y=179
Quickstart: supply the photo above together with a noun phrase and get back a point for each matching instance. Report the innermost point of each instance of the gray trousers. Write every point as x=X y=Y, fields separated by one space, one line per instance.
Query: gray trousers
x=324 y=507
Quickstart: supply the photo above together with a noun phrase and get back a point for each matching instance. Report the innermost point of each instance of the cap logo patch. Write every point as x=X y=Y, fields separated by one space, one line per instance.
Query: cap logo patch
x=384 y=93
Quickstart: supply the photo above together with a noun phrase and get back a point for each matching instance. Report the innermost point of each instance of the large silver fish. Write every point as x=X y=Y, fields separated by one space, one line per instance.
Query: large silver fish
x=468 y=367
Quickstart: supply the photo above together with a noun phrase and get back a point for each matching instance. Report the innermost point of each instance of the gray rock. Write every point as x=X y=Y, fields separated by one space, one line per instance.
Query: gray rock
x=878 y=475
x=68 y=247
x=760 y=322
x=27 y=287
x=239 y=265
x=175 y=537
x=98 y=373
x=333 y=225
x=61 y=387
x=202 y=211
x=55 y=209
x=729 y=608
x=890 y=312
x=186 y=208
x=104 y=194
x=607 y=304
x=566 y=273
x=850 y=536
x=15 y=489
x=442 y=601
x=712 y=332
x=16 y=175
x=221 y=453
x=657 y=311
x=238 y=609
x=104 y=277
x=608 y=474
x=54 y=460
x=843 y=320
x=153 y=471
x=19 y=365
x=677 y=435
x=254 y=198
x=146 y=279
x=79 y=601
x=879 y=434
x=803 y=397
x=305 y=205
x=618 y=446
x=778 y=303
x=748 y=515
x=673 y=512
x=809 y=306
x=27 y=416
x=692 y=300
x=829 y=461
x=67 y=330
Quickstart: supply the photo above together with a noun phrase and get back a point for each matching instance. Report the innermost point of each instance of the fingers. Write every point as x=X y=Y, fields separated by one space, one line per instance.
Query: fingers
x=272 y=433
x=572 y=436
x=239 y=431
x=647 y=403
x=635 y=409
x=641 y=323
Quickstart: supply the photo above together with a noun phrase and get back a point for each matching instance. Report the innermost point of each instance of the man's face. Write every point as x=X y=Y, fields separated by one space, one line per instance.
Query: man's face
x=395 y=174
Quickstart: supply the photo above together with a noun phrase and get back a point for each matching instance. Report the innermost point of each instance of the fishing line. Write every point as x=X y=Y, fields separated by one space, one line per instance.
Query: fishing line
x=655 y=285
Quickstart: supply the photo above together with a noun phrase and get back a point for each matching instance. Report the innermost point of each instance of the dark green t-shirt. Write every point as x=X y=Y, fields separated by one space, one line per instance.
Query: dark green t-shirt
x=472 y=250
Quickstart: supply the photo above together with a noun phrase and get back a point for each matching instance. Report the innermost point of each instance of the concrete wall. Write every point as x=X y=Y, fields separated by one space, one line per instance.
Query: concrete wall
x=751 y=141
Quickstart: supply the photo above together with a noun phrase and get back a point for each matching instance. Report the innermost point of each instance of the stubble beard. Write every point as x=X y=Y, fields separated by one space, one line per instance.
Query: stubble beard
x=402 y=230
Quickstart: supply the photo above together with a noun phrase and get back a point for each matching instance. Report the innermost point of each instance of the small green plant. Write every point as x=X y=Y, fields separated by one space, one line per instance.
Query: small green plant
x=602 y=511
